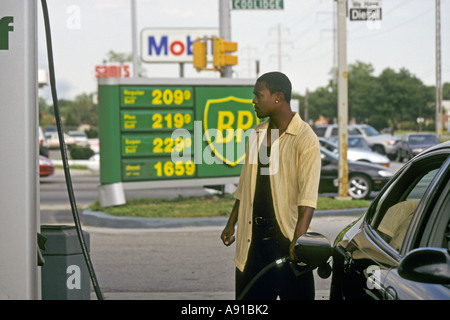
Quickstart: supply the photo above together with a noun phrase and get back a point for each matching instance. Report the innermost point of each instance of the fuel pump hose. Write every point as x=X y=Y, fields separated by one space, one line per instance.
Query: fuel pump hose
x=62 y=147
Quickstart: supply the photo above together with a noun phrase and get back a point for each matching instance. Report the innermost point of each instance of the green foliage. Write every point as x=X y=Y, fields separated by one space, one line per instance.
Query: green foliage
x=82 y=110
x=80 y=153
x=386 y=100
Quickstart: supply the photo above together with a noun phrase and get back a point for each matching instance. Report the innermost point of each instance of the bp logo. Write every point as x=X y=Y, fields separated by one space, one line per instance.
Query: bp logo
x=226 y=122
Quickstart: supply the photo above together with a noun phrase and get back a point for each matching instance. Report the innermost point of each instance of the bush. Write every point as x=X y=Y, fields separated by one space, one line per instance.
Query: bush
x=80 y=153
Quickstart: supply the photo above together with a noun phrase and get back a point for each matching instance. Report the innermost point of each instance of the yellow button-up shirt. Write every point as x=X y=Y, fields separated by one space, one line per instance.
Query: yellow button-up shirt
x=294 y=177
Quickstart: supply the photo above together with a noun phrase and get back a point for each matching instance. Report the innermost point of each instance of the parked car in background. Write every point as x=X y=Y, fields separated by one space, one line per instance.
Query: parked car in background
x=53 y=140
x=399 y=249
x=363 y=178
x=358 y=150
x=330 y=130
x=414 y=143
x=43 y=145
x=50 y=129
x=46 y=167
x=80 y=138
x=380 y=143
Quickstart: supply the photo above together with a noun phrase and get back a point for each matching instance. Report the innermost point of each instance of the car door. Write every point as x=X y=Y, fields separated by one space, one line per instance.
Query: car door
x=376 y=248
x=328 y=172
x=430 y=228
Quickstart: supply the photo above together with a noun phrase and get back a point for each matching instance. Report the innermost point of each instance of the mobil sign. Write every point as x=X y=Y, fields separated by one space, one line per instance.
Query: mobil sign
x=171 y=45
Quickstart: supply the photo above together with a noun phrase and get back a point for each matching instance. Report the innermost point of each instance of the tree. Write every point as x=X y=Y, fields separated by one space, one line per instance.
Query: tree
x=402 y=96
x=363 y=88
x=322 y=102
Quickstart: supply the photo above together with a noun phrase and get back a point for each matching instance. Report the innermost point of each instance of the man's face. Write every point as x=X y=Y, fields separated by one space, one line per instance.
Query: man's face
x=264 y=101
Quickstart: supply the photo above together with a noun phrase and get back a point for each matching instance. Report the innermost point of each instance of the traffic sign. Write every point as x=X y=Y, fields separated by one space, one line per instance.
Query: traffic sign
x=362 y=10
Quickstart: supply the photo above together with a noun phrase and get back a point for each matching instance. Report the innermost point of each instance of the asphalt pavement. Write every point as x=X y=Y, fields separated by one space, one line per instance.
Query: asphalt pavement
x=109 y=233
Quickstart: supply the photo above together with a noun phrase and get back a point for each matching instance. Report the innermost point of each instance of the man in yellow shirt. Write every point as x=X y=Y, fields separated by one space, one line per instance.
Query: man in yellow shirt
x=276 y=195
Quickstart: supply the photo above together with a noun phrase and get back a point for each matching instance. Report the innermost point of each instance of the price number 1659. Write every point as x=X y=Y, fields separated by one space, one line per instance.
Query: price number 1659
x=179 y=168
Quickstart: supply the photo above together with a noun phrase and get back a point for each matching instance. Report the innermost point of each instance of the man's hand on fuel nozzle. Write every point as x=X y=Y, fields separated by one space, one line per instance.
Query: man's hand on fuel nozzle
x=228 y=235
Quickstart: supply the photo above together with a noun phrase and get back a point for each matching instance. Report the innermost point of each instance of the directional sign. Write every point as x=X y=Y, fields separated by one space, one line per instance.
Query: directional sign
x=362 y=10
x=258 y=5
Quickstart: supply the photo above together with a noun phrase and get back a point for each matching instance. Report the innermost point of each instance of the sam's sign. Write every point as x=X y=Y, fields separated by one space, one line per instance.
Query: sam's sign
x=171 y=45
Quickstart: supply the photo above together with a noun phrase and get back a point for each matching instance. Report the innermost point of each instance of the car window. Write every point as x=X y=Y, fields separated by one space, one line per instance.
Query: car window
x=370 y=131
x=320 y=131
x=435 y=229
x=335 y=131
x=357 y=142
x=397 y=206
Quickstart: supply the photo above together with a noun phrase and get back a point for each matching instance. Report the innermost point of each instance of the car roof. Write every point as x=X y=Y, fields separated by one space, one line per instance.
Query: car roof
x=443 y=145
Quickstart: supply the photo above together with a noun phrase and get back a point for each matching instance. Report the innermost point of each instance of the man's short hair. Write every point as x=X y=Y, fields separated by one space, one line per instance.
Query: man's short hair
x=277 y=82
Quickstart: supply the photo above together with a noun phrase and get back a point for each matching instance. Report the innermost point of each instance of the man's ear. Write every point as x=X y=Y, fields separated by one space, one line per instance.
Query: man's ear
x=279 y=96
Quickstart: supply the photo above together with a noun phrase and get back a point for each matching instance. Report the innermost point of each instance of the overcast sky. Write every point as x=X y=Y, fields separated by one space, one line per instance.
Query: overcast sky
x=83 y=31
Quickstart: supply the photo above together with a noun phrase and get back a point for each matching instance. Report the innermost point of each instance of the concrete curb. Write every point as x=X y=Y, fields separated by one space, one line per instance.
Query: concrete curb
x=101 y=219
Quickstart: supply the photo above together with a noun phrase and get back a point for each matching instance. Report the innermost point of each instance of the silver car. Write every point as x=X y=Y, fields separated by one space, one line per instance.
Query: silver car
x=358 y=150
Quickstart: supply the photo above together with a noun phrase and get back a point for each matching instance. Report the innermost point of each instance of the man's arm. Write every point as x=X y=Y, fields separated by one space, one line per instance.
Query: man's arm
x=227 y=235
x=305 y=215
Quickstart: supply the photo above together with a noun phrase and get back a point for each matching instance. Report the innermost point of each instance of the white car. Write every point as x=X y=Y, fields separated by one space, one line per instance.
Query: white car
x=380 y=143
x=358 y=150
x=53 y=140
x=80 y=137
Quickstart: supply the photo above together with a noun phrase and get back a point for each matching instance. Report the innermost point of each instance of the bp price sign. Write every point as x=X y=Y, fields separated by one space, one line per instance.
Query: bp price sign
x=158 y=133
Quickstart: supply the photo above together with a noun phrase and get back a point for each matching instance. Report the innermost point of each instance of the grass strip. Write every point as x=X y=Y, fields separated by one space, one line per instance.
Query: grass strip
x=204 y=206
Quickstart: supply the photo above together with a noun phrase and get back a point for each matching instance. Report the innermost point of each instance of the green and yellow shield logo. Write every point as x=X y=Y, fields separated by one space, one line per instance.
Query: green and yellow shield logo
x=226 y=122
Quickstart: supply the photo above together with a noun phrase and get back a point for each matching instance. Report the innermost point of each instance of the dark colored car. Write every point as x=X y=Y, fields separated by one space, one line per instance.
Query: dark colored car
x=46 y=167
x=399 y=249
x=414 y=143
x=363 y=178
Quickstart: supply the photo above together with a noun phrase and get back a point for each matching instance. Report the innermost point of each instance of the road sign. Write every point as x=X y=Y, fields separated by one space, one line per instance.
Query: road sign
x=362 y=10
x=258 y=4
x=171 y=132
x=172 y=45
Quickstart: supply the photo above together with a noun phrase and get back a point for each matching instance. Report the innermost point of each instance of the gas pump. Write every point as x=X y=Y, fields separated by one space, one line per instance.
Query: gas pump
x=20 y=241
x=19 y=218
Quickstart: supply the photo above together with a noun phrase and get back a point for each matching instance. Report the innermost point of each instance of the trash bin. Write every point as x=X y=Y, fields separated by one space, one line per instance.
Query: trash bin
x=65 y=275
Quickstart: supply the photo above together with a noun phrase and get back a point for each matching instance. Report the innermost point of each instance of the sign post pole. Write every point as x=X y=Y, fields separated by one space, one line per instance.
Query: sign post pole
x=342 y=98
x=225 y=29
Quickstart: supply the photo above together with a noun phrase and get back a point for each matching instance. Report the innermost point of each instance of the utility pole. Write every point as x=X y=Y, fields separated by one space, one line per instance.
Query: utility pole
x=342 y=97
x=134 y=39
x=225 y=29
x=249 y=50
x=306 y=116
x=279 y=46
x=438 y=71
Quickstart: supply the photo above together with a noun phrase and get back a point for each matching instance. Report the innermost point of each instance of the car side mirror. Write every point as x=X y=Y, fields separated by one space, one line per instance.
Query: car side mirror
x=428 y=265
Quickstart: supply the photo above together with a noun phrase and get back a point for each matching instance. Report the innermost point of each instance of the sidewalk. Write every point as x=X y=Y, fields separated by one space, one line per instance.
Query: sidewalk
x=101 y=219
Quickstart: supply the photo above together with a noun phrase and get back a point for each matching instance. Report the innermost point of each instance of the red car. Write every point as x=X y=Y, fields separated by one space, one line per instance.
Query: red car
x=46 y=167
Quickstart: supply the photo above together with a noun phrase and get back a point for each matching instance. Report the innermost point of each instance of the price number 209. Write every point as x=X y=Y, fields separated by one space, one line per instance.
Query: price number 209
x=170 y=97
